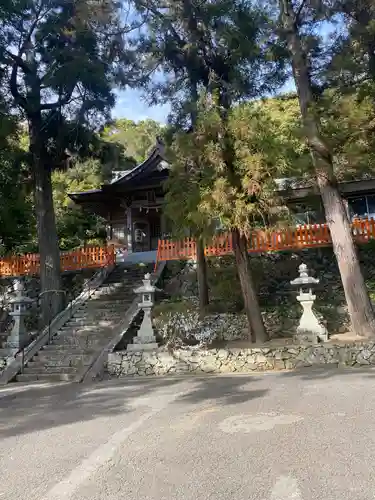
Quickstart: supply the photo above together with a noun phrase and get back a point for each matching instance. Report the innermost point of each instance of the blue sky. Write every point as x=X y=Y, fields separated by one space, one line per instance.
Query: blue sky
x=131 y=105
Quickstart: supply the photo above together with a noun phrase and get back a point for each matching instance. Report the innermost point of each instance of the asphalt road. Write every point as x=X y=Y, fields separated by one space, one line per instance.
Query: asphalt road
x=294 y=436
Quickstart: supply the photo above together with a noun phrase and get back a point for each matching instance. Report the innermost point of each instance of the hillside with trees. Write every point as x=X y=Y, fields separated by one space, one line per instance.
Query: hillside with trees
x=221 y=66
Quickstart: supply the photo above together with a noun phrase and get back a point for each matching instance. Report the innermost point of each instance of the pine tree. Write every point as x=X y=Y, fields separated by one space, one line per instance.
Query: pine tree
x=292 y=17
x=59 y=60
x=216 y=46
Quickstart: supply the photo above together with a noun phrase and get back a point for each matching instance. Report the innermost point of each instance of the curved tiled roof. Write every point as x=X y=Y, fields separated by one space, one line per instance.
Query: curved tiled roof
x=155 y=158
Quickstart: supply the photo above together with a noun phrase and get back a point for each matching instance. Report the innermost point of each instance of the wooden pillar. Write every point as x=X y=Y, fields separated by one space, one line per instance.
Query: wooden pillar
x=163 y=225
x=346 y=205
x=109 y=227
x=129 y=224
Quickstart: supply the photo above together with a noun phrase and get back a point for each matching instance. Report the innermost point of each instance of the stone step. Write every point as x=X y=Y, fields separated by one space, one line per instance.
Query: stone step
x=121 y=284
x=99 y=322
x=93 y=324
x=125 y=289
x=46 y=377
x=116 y=294
x=88 y=331
x=30 y=368
x=93 y=308
x=88 y=326
x=101 y=304
x=81 y=336
x=95 y=315
x=83 y=343
x=64 y=359
x=125 y=284
x=81 y=333
x=105 y=299
x=83 y=321
x=93 y=312
x=112 y=286
x=125 y=273
x=67 y=348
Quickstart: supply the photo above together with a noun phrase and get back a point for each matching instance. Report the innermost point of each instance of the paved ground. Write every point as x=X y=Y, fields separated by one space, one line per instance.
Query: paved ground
x=293 y=436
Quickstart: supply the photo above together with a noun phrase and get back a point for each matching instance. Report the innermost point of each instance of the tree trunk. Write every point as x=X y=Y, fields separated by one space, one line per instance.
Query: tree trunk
x=257 y=331
x=359 y=305
x=202 y=277
x=201 y=258
x=52 y=298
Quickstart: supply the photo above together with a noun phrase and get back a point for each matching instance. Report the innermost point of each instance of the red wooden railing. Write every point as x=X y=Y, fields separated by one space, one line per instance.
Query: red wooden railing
x=311 y=236
x=83 y=258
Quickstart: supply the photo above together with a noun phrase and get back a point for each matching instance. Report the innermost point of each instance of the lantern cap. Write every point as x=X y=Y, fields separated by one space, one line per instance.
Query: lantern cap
x=304 y=278
x=147 y=287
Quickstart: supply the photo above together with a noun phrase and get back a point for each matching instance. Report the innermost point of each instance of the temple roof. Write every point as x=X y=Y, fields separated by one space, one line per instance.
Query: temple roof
x=154 y=163
x=155 y=158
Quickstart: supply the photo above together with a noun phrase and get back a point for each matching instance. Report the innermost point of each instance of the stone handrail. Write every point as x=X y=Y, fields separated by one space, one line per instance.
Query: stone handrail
x=96 y=368
x=15 y=363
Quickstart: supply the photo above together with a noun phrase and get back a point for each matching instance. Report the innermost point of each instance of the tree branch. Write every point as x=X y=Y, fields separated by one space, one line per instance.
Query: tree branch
x=59 y=103
x=299 y=11
x=19 y=62
x=18 y=98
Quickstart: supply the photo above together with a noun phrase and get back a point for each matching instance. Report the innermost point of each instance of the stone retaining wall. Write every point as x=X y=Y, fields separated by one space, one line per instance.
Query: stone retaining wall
x=239 y=360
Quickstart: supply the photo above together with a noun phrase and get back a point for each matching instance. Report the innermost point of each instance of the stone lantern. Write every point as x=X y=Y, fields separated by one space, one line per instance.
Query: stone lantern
x=19 y=304
x=309 y=328
x=145 y=339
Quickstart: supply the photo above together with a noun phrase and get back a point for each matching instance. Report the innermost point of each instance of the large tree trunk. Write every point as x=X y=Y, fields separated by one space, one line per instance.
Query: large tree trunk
x=202 y=277
x=52 y=298
x=201 y=258
x=359 y=305
x=257 y=331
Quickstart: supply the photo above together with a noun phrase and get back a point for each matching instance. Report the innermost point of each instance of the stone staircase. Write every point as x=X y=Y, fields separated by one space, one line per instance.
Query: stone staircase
x=78 y=343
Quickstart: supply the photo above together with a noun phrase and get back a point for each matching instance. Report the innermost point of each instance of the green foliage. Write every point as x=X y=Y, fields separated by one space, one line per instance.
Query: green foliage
x=16 y=217
x=351 y=65
x=15 y=201
x=200 y=189
x=76 y=49
x=70 y=50
x=197 y=45
x=136 y=138
x=348 y=123
x=59 y=61
x=95 y=158
x=75 y=227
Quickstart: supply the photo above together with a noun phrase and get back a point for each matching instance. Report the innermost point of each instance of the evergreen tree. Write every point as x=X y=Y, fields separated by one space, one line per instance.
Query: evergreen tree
x=218 y=46
x=59 y=60
x=293 y=17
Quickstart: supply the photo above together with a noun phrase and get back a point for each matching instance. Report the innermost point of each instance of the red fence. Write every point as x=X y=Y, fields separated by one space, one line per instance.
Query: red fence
x=83 y=258
x=310 y=236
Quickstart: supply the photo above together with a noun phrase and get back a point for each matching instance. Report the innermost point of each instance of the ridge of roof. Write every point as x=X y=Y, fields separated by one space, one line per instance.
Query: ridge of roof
x=89 y=191
x=157 y=150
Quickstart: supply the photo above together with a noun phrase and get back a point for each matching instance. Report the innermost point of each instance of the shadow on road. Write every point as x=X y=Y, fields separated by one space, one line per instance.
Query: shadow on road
x=30 y=408
x=225 y=390
x=327 y=372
